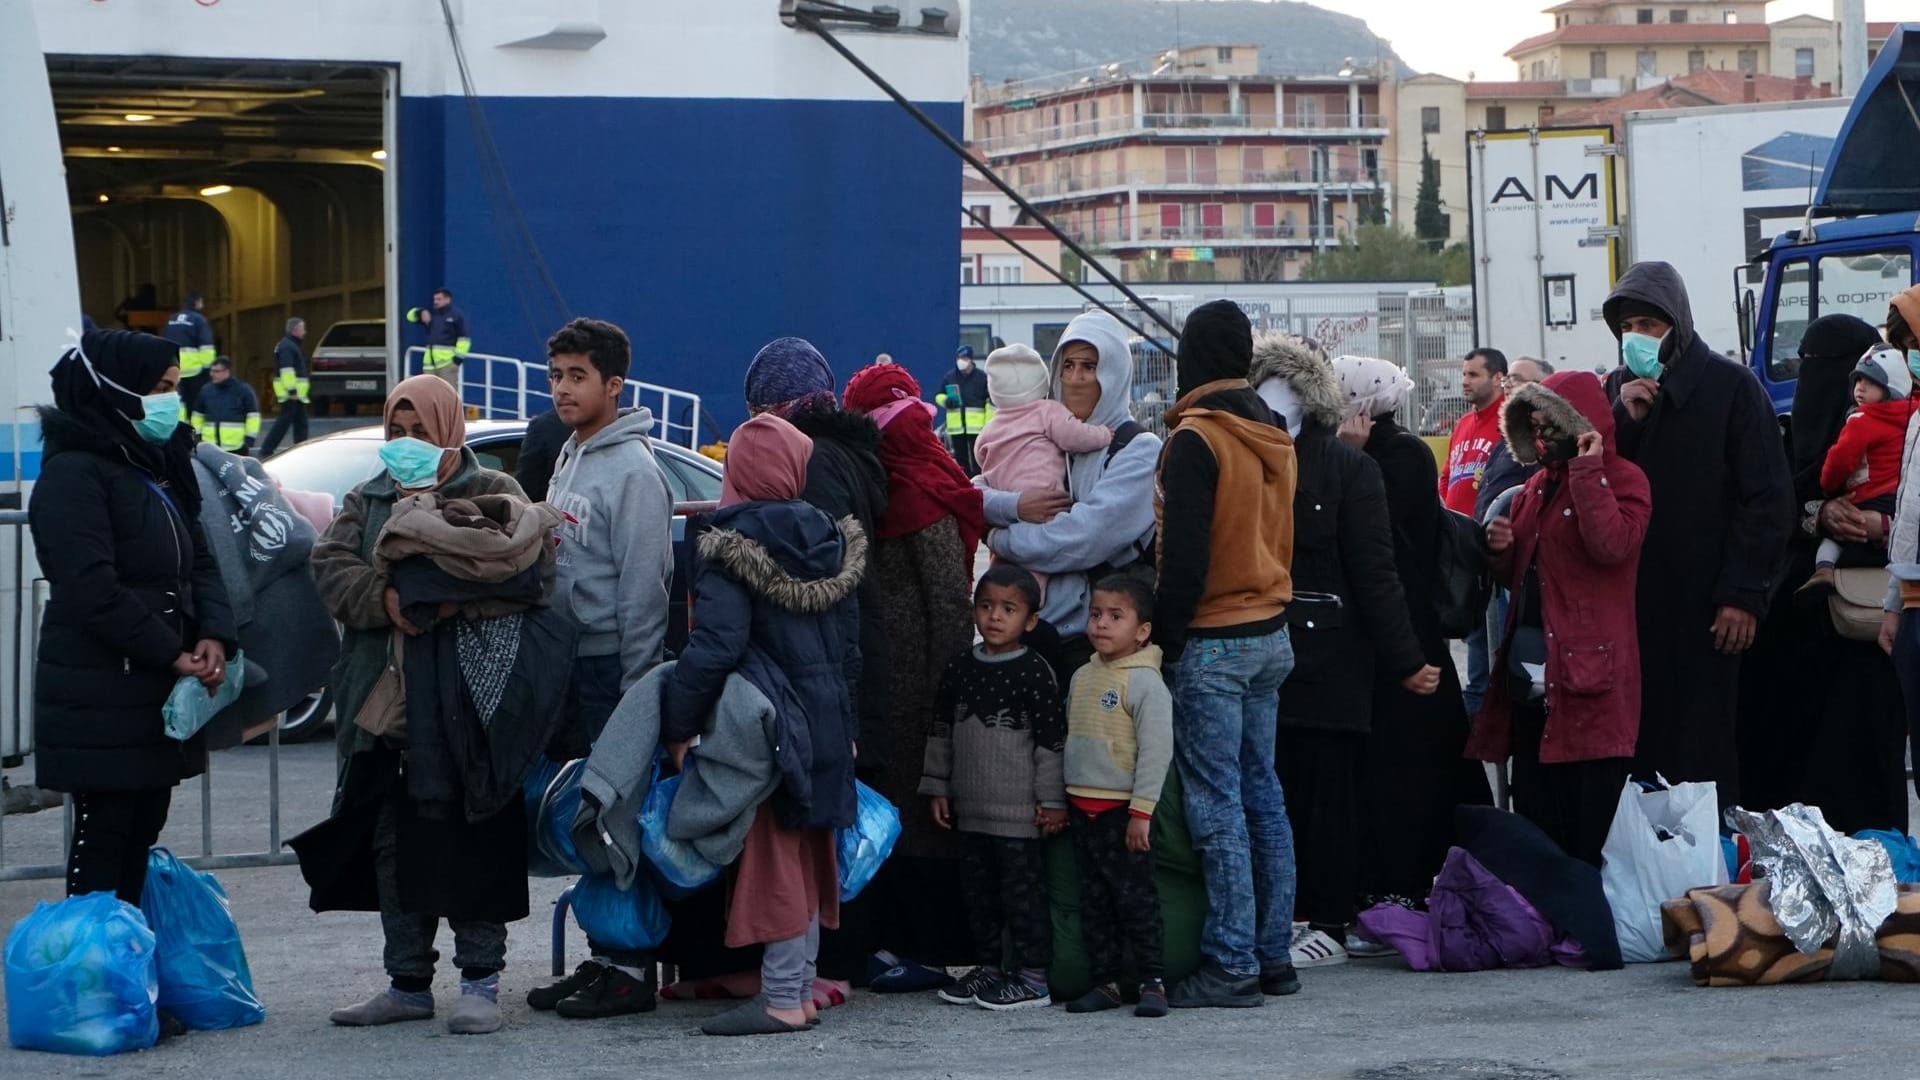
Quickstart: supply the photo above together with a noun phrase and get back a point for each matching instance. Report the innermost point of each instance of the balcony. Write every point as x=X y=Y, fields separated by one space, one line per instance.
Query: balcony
x=1244 y=181
x=1154 y=234
x=1181 y=125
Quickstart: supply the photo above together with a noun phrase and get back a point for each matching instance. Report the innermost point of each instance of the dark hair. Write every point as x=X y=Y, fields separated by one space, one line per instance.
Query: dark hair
x=1495 y=360
x=1897 y=326
x=601 y=342
x=1134 y=588
x=1009 y=576
x=221 y=361
x=444 y=291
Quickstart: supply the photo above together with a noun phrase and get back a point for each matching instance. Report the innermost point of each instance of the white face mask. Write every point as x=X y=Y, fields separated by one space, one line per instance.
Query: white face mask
x=964 y=363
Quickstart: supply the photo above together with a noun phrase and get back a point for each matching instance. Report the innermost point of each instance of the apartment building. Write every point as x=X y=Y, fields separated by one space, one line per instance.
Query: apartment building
x=988 y=259
x=1194 y=165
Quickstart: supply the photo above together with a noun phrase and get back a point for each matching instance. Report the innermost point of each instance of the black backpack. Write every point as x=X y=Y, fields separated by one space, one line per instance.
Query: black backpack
x=1464 y=583
x=1145 y=552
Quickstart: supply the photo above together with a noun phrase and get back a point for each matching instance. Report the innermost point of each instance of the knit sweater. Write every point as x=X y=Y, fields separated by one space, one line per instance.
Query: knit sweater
x=1120 y=732
x=995 y=746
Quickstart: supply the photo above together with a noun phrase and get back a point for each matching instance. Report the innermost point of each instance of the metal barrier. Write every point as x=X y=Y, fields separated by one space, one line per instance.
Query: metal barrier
x=508 y=388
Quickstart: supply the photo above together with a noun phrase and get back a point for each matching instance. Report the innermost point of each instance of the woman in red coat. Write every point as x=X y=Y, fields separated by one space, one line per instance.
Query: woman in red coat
x=1564 y=701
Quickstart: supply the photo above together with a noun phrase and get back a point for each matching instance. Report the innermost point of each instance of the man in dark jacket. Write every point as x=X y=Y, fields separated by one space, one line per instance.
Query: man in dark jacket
x=447 y=340
x=190 y=330
x=1703 y=431
x=1349 y=613
x=1226 y=545
x=963 y=393
x=291 y=388
x=226 y=414
x=546 y=436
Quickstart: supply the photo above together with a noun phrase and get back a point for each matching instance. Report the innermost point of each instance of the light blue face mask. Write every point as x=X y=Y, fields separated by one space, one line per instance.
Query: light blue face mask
x=161 y=416
x=413 y=463
x=1913 y=363
x=1642 y=354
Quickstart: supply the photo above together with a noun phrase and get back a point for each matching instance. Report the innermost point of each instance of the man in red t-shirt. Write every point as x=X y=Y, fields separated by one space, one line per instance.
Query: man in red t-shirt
x=1478 y=432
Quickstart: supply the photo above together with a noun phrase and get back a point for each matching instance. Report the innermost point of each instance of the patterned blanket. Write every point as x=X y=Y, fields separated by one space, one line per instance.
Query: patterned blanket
x=1730 y=937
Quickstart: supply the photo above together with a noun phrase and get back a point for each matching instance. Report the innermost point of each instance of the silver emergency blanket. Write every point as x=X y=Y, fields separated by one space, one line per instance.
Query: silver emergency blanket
x=1823 y=886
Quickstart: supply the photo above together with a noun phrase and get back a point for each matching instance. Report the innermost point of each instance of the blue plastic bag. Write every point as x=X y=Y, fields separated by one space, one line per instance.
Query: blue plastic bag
x=80 y=978
x=864 y=845
x=202 y=967
x=190 y=706
x=679 y=868
x=1901 y=850
x=553 y=798
x=620 y=918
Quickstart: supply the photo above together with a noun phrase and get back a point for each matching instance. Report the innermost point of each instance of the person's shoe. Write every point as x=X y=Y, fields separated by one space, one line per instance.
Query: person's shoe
x=889 y=974
x=1010 y=992
x=389 y=1006
x=1214 y=987
x=750 y=1017
x=615 y=993
x=1153 y=999
x=544 y=998
x=965 y=991
x=1367 y=949
x=1315 y=948
x=1279 y=980
x=477 y=1012
x=1099 y=999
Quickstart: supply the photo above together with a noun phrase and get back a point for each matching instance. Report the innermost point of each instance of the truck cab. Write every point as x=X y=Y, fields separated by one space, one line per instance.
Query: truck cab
x=1860 y=243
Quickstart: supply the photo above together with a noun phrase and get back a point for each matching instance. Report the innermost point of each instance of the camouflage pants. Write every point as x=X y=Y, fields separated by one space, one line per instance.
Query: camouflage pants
x=1119 y=905
x=1005 y=885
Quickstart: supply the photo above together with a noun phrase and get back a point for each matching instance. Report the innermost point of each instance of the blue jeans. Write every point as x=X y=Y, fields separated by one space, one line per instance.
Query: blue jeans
x=1226 y=700
x=1481 y=646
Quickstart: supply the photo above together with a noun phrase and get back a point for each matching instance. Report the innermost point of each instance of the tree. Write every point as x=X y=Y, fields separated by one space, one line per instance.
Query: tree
x=1429 y=223
x=1385 y=253
x=1374 y=210
x=1263 y=264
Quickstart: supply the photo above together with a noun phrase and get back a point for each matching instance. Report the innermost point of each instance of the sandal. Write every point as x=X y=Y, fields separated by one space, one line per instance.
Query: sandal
x=749 y=1018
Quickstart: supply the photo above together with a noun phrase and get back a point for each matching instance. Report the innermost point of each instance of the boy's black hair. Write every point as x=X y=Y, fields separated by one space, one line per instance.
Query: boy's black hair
x=1009 y=576
x=1134 y=588
x=599 y=341
x=1494 y=359
x=444 y=291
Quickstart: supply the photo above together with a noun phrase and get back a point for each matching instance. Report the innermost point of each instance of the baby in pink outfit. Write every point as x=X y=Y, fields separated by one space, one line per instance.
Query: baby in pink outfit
x=1025 y=446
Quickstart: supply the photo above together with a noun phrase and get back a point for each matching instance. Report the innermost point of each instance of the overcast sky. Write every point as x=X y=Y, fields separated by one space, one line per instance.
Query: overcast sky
x=1462 y=37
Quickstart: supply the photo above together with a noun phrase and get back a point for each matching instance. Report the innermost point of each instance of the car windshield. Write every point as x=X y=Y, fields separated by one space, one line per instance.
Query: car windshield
x=367 y=335
x=334 y=466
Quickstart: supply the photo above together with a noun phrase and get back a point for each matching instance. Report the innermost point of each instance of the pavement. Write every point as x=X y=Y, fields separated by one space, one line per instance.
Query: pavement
x=1371 y=1020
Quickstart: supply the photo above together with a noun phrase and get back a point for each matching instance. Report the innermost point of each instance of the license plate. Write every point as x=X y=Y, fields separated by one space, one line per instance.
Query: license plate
x=362 y=384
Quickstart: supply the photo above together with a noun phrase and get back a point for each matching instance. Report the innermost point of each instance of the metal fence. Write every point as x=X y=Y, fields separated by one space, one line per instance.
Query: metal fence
x=508 y=388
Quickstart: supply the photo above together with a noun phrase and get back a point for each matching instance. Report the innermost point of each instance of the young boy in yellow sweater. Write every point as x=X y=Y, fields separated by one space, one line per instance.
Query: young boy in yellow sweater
x=1119 y=745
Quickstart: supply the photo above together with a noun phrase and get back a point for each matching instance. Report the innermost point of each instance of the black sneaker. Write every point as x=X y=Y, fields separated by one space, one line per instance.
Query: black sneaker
x=1010 y=992
x=614 y=993
x=967 y=989
x=1153 y=999
x=1279 y=980
x=1213 y=987
x=1099 y=999
x=544 y=998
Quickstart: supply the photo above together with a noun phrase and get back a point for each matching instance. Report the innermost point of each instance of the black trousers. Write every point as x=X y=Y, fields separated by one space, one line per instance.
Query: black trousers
x=1119 y=905
x=963 y=453
x=1573 y=802
x=112 y=831
x=293 y=414
x=1005 y=885
x=1320 y=776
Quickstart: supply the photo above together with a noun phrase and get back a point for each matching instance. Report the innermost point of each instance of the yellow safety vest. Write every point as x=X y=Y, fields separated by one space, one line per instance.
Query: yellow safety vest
x=968 y=421
x=228 y=435
x=441 y=356
x=195 y=361
x=289 y=383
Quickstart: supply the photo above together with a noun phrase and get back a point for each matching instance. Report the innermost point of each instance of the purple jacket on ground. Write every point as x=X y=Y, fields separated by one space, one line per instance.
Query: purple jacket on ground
x=1473 y=922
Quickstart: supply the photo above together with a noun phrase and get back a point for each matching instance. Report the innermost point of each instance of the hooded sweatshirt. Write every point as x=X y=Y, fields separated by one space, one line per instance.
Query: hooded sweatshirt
x=1112 y=516
x=615 y=560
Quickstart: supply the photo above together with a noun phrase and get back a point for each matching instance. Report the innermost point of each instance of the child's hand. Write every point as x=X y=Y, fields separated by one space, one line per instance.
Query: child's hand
x=1050 y=821
x=1139 y=834
x=942 y=815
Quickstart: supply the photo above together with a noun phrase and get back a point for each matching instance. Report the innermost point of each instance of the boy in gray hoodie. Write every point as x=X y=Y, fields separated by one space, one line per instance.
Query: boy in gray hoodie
x=615 y=566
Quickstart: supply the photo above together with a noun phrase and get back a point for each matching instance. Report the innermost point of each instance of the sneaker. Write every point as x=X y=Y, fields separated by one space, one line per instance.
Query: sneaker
x=889 y=974
x=1214 y=987
x=1315 y=948
x=965 y=991
x=1153 y=999
x=1367 y=949
x=614 y=993
x=1279 y=980
x=1099 y=999
x=544 y=998
x=1011 y=992
x=389 y=1006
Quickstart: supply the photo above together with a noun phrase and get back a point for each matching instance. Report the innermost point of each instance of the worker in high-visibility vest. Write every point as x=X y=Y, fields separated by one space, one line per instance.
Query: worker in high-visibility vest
x=190 y=330
x=227 y=413
x=447 y=340
x=290 y=388
x=964 y=396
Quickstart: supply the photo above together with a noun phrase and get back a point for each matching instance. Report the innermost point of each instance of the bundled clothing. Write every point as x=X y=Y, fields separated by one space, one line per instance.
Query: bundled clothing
x=1468 y=451
x=1722 y=509
x=1864 y=463
x=1577 y=530
x=1024 y=447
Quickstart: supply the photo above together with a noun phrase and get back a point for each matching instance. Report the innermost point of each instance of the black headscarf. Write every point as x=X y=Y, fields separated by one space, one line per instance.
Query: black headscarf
x=1216 y=343
x=98 y=385
x=1823 y=395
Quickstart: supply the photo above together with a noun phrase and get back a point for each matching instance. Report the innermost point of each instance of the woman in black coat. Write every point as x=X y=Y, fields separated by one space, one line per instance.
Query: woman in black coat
x=1348 y=620
x=1416 y=769
x=135 y=602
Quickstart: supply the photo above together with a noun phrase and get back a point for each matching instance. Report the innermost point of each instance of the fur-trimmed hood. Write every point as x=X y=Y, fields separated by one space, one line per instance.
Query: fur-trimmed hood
x=1569 y=403
x=790 y=554
x=1303 y=366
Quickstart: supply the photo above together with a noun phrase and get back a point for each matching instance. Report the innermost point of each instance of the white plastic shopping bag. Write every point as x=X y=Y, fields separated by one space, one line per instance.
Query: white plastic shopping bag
x=1661 y=844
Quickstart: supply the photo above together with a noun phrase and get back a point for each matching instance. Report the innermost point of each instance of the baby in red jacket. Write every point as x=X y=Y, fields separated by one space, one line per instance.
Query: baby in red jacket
x=1864 y=463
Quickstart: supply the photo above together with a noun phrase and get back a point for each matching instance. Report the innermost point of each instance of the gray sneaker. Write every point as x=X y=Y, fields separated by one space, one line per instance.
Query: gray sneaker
x=476 y=1013
x=389 y=1006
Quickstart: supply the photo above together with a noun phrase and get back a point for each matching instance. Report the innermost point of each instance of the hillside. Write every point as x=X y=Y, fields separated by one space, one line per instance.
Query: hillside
x=1023 y=38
